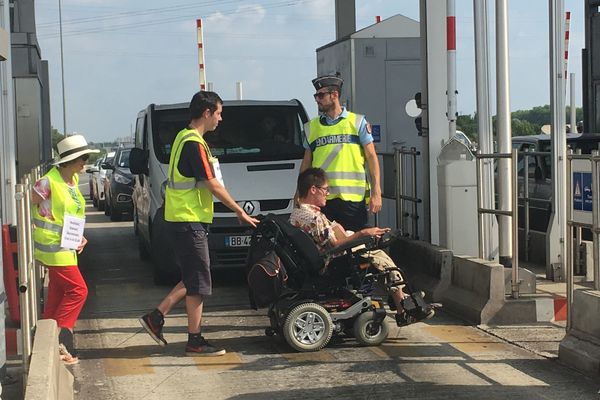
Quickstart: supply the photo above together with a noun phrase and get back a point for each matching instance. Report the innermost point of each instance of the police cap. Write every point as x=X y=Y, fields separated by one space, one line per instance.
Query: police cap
x=326 y=81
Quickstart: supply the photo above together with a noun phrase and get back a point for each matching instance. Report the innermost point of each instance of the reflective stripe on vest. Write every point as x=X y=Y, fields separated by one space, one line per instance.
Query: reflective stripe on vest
x=185 y=199
x=47 y=225
x=48 y=230
x=337 y=150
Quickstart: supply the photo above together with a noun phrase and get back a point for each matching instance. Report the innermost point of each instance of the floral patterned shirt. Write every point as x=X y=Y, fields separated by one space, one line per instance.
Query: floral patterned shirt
x=42 y=187
x=311 y=220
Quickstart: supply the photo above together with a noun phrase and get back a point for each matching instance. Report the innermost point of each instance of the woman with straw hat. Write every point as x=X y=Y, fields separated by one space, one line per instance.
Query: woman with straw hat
x=59 y=219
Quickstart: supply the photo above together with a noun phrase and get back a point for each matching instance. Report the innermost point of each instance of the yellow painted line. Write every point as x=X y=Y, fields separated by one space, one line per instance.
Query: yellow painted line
x=457 y=334
x=421 y=351
x=225 y=362
x=127 y=366
x=506 y=375
x=442 y=374
x=468 y=340
x=378 y=351
x=314 y=356
x=481 y=348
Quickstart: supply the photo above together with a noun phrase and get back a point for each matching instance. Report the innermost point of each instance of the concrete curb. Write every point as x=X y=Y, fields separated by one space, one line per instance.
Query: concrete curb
x=427 y=267
x=476 y=291
x=580 y=349
x=48 y=378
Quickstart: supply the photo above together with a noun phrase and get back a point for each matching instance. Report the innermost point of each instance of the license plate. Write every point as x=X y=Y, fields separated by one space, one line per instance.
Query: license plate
x=237 y=241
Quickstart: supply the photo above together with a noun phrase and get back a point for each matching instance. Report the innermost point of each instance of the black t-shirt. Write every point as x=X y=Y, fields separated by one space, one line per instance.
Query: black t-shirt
x=193 y=163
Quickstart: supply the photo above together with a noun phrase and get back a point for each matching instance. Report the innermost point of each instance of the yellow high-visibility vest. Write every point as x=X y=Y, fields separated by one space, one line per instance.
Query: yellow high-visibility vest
x=185 y=199
x=48 y=232
x=337 y=150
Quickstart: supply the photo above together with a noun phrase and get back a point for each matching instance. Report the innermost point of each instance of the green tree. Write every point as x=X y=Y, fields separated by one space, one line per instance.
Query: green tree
x=56 y=137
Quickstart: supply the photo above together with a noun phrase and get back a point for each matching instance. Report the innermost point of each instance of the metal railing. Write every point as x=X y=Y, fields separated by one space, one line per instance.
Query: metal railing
x=583 y=221
x=512 y=213
x=405 y=189
x=30 y=273
x=527 y=200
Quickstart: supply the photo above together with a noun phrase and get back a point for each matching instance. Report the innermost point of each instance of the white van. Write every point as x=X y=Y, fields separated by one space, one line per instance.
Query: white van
x=259 y=147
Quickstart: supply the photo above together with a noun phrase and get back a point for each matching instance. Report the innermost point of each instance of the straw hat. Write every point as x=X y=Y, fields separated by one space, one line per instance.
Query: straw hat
x=71 y=148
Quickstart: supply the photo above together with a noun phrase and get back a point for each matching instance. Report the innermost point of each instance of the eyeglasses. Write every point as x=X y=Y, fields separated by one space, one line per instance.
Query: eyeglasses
x=325 y=189
x=85 y=157
x=320 y=95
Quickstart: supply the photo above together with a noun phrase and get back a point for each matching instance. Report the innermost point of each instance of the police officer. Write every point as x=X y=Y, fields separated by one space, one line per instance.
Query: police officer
x=194 y=177
x=340 y=142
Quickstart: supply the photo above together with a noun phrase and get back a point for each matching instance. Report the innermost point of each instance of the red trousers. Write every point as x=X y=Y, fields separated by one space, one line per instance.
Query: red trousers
x=67 y=292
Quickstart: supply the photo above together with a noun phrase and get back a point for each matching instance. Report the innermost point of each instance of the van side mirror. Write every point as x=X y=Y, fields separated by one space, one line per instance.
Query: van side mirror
x=107 y=166
x=138 y=161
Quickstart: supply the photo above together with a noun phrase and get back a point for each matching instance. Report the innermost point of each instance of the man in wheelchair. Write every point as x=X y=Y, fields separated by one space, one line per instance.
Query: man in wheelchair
x=312 y=193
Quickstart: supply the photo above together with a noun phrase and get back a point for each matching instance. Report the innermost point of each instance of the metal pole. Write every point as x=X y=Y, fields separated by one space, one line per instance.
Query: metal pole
x=62 y=68
x=480 y=217
x=568 y=264
x=31 y=292
x=239 y=93
x=595 y=218
x=558 y=224
x=504 y=129
x=515 y=224
x=451 y=59
x=414 y=194
x=525 y=205
x=200 y=40
x=399 y=192
x=573 y=110
x=23 y=276
x=484 y=125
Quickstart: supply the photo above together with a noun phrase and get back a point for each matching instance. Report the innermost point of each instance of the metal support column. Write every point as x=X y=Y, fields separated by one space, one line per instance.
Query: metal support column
x=504 y=130
x=487 y=243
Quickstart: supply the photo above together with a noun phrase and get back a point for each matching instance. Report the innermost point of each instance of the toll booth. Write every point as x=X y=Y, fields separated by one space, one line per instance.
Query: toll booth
x=457 y=194
x=381 y=68
x=32 y=93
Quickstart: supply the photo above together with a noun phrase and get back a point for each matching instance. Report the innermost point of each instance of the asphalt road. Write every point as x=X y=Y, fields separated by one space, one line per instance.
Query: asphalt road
x=442 y=358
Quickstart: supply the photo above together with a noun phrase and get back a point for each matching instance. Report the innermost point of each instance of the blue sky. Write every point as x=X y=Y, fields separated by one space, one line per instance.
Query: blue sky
x=121 y=55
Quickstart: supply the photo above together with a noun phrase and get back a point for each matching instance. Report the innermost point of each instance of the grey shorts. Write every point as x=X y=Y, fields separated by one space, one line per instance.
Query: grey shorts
x=191 y=254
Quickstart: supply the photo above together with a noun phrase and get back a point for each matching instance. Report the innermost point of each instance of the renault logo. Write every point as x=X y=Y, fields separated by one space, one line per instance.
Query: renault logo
x=249 y=207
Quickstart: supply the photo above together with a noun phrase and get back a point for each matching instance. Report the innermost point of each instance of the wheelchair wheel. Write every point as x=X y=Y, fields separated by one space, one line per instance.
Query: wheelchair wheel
x=368 y=332
x=308 y=327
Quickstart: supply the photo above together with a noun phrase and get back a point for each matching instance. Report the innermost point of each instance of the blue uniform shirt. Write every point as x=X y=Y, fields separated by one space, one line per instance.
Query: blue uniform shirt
x=363 y=133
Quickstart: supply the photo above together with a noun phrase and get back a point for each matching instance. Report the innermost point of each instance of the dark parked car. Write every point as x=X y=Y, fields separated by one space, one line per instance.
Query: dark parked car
x=539 y=179
x=119 y=187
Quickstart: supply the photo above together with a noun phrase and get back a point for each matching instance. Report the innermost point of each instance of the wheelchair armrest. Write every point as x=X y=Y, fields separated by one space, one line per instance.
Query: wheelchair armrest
x=366 y=240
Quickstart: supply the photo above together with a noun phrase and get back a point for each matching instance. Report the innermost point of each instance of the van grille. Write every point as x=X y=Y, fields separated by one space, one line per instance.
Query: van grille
x=265 y=205
x=230 y=257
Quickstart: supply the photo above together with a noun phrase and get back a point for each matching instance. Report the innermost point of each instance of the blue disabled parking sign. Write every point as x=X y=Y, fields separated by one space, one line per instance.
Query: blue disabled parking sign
x=582 y=191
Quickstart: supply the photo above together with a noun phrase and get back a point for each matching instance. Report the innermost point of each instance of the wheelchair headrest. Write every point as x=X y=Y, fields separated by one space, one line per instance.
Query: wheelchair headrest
x=287 y=235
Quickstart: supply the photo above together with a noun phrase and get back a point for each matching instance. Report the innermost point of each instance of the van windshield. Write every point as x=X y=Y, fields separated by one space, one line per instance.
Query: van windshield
x=246 y=134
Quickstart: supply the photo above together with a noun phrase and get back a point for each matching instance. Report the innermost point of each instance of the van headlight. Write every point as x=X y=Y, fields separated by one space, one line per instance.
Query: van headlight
x=122 y=179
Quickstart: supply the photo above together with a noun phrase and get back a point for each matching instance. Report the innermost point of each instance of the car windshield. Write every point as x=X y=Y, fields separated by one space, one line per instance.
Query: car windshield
x=246 y=134
x=123 y=160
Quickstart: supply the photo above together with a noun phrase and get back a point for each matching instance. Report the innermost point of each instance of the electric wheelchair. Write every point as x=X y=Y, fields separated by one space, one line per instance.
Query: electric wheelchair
x=307 y=307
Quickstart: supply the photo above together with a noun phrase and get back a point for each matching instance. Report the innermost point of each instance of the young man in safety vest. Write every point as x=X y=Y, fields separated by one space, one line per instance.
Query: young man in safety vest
x=194 y=177
x=340 y=142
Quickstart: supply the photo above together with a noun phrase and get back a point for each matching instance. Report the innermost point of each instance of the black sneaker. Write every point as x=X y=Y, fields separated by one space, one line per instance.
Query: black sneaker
x=201 y=348
x=405 y=318
x=154 y=328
